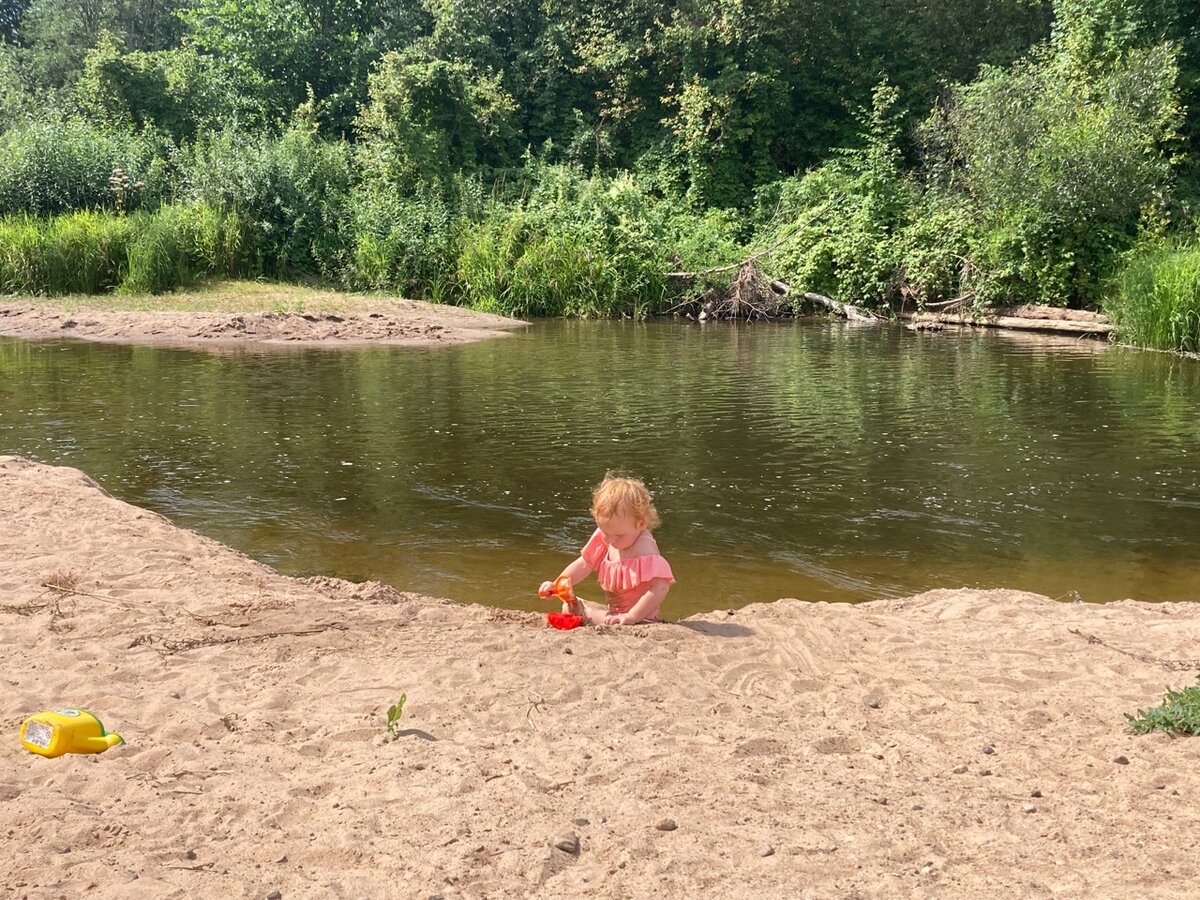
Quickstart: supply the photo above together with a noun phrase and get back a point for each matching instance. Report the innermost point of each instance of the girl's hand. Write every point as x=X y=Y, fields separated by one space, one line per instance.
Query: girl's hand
x=546 y=589
x=622 y=619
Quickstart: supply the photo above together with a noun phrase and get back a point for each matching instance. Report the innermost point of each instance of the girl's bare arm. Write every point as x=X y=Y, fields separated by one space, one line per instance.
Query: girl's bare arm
x=646 y=607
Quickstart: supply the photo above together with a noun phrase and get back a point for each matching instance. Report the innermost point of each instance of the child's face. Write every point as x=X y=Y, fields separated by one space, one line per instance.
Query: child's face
x=620 y=531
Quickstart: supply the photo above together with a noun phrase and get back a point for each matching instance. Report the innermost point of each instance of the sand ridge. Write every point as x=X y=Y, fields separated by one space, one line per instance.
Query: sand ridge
x=380 y=322
x=951 y=744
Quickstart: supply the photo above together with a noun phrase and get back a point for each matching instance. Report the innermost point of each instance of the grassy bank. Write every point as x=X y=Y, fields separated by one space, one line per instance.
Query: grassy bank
x=559 y=243
x=1155 y=301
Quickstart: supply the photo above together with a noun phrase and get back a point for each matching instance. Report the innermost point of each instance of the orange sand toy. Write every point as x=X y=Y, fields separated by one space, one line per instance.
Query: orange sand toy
x=563 y=590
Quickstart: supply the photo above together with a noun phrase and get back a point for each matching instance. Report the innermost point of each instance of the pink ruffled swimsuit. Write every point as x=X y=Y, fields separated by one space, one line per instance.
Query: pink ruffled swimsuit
x=624 y=581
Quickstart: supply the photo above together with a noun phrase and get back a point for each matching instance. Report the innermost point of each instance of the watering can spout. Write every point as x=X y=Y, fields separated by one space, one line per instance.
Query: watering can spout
x=100 y=744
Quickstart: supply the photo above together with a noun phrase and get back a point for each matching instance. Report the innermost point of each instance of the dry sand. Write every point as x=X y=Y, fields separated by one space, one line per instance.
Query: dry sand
x=374 y=322
x=960 y=743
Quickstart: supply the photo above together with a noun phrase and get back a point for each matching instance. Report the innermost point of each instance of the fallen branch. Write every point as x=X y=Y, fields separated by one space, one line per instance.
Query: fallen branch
x=535 y=703
x=212 y=623
x=851 y=313
x=61 y=589
x=963 y=299
x=203 y=620
x=1175 y=665
x=27 y=609
x=749 y=296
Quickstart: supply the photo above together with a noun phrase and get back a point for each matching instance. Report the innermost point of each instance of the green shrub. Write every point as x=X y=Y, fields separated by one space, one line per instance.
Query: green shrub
x=16 y=100
x=1056 y=160
x=179 y=91
x=932 y=248
x=292 y=192
x=428 y=118
x=53 y=166
x=409 y=244
x=837 y=226
x=1155 y=299
x=1178 y=714
x=835 y=231
x=585 y=246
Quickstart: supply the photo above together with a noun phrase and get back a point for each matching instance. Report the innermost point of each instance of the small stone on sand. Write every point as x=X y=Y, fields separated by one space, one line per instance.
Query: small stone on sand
x=567 y=843
x=666 y=825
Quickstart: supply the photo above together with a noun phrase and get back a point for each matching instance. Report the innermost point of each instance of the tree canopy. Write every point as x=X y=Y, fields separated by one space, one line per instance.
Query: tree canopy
x=927 y=149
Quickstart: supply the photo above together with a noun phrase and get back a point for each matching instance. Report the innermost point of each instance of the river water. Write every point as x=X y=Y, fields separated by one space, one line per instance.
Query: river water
x=818 y=461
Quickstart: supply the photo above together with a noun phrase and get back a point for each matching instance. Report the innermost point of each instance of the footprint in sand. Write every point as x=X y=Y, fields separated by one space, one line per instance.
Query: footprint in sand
x=836 y=744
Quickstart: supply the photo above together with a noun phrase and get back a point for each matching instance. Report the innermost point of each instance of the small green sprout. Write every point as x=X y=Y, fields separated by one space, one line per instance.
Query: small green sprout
x=395 y=711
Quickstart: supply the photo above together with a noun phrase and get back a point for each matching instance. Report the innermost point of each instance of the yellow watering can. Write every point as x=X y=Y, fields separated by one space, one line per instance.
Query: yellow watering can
x=68 y=730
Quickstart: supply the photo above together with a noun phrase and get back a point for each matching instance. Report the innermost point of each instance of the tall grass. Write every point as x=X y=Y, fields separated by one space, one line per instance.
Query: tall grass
x=78 y=253
x=1156 y=299
x=552 y=242
x=93 y=252
x=407 y=244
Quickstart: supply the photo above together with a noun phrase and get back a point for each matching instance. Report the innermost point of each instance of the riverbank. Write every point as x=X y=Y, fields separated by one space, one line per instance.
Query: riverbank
x=246 y=313
x=947 y=744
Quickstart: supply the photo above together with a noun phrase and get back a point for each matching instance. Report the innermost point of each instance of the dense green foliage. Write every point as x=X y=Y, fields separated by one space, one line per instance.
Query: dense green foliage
x=53 y=165
x=584 y=246
x=1179 y=713
x=544 y=157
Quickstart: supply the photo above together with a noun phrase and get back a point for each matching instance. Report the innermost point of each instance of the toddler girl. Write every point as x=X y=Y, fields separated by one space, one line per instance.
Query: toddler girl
x=625 y=558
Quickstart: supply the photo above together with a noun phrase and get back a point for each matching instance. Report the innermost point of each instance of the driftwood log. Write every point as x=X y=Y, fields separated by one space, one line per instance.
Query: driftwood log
x=1024 y=318
x=845 y=310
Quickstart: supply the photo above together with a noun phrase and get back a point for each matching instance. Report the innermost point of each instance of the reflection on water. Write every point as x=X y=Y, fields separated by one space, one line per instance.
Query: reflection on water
x=821 y=461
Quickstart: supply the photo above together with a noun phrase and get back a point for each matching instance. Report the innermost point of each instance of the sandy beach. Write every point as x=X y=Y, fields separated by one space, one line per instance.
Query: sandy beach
x=957 y=743
x=326 y=320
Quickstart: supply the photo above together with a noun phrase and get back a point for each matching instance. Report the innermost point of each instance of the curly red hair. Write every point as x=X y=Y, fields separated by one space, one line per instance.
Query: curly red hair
x=620 y=495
